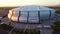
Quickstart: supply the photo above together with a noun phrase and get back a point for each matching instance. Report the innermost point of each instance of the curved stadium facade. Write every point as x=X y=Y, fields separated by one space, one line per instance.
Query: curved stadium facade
x=31 y=14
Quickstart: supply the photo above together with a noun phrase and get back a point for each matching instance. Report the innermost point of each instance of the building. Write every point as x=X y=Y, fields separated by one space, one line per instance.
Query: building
x=31 y=14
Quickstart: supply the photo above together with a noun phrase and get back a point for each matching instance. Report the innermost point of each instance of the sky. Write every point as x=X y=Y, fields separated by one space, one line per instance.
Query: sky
x=12 y=3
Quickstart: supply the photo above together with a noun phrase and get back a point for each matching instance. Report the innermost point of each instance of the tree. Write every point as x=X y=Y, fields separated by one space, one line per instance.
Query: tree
x=5 y=27
x=56 y=26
